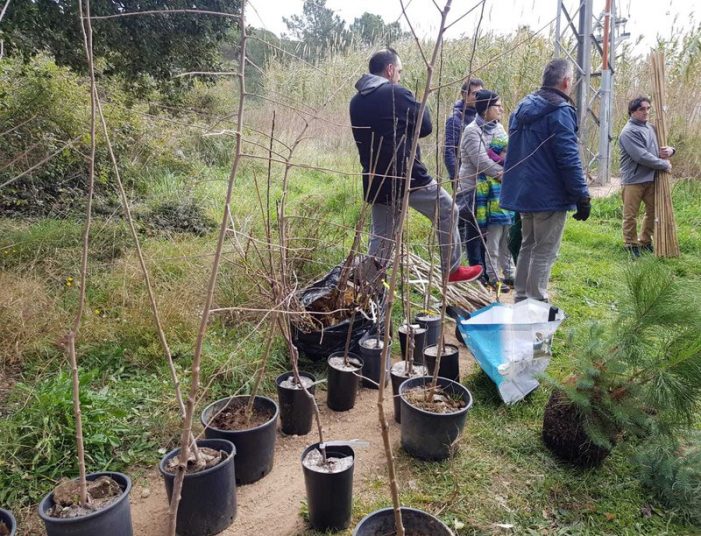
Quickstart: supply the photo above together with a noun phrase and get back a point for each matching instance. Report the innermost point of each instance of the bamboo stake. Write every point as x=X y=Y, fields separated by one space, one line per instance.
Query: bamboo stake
x=665 y=232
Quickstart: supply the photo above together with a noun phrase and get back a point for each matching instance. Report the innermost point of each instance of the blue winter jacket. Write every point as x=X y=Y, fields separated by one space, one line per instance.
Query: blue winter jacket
x=454 y=126
x=543 y=170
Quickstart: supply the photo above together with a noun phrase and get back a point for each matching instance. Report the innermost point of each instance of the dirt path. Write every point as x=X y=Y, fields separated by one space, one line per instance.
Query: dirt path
x=271 y=506
x=604 y=191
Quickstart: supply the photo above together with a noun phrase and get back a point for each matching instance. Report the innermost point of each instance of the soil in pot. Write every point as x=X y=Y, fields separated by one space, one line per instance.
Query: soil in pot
x=564 y=434
x=399 y=373
x=110 y=489
x=329 y=486
x=371 y=353
x=4 y=531
x=234 y=416
x=416 y=523
x=431 y=427
x=254 y=439
x=296 y=408
x=208 y=500
x=419 y=341
x=450 y=361
x=102 y=492
x=207 y=458
x=343 y=381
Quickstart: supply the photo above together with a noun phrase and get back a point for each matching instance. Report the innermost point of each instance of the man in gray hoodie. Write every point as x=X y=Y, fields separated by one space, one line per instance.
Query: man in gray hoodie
x=641 y=159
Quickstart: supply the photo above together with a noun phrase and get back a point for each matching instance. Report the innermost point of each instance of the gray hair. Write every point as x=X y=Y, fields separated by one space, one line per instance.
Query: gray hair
x=556 y=71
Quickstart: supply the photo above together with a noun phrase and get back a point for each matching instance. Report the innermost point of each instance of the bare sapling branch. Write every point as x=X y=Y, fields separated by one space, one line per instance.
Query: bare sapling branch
x=394 y=491
x=261 y=369
x=73 y=332
x=444 y=282
x=144 y=270
x=281 y=286
x=199 y=344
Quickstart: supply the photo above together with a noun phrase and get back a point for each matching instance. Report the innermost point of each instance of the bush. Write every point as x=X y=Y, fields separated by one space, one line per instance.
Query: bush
x=179 y=216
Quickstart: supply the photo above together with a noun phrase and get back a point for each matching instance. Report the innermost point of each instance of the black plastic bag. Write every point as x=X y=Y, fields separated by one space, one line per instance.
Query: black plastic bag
x=320 y=344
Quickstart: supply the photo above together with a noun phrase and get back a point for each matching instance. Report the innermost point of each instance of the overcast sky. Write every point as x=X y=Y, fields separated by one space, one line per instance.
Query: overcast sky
x=501 y=16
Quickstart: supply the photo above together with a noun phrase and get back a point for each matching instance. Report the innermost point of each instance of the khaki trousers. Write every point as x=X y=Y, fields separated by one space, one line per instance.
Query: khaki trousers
x=633 y=194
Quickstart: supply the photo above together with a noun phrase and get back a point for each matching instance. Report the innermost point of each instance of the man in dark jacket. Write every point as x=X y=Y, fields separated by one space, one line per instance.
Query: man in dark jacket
x=641 y=159
x=384 y=116
x=464 y=113
x=543 y=176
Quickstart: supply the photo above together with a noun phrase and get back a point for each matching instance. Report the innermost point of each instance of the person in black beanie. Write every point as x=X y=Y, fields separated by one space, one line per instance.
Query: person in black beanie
x=482 y=150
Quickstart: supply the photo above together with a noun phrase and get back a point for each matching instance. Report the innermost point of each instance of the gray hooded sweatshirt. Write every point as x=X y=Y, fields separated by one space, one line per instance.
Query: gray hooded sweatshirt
x=639 y=153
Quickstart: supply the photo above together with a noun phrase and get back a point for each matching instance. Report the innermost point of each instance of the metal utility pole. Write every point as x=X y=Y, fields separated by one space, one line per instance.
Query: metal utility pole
x=592 y=40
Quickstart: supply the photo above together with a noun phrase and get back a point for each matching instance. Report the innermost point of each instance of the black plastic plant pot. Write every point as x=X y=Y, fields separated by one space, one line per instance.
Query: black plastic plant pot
x=9 y=520
x=255 y=447
x=296 y=408
x=381 y=523
x=419 y=342
x=342 y=381
x=398 y=373
x=371 y=353
x=432 y=324
x=208 y=500
x=427 y=435
x=113 y=519
x=329 y=495
x=450 y=361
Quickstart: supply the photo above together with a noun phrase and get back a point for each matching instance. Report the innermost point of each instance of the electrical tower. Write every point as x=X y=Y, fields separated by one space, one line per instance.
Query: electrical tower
x=589 y=42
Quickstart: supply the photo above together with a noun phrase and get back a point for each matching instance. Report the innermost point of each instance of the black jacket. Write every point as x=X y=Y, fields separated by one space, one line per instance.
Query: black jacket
x=384 y=116
x=456 y=123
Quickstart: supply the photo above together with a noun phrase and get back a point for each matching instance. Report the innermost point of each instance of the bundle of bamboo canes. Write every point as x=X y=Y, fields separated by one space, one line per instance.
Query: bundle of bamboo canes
x=665 y=231
x=469 y=296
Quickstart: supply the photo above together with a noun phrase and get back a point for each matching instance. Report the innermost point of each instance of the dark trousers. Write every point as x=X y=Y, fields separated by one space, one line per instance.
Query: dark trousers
x=469 y=231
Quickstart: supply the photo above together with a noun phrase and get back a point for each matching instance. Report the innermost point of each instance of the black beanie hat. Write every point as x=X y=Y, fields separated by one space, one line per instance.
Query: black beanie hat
x=484 y=99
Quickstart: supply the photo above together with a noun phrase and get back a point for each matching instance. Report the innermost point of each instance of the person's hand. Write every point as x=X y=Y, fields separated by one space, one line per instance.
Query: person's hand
x=583 y=209
x=666 y=152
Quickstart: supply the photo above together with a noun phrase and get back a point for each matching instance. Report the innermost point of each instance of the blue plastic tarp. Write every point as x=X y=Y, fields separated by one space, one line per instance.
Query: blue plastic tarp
x=512 y=343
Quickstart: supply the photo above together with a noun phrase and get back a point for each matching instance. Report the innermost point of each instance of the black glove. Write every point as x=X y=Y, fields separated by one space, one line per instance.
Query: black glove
x=583 y=209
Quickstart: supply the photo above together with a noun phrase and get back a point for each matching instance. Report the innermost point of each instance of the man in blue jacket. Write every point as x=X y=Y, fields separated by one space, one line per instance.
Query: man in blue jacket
x=384 y=116
x=543 y=176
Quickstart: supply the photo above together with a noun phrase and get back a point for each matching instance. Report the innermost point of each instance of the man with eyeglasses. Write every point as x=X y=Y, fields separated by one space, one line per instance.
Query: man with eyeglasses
x=641 y=159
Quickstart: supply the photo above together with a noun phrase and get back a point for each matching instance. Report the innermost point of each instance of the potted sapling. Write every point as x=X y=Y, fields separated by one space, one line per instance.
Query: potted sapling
x=343 y=375
x=398 y=520
x=411 y=339
x=327 y=468
x=638 y=374
x=96 y=503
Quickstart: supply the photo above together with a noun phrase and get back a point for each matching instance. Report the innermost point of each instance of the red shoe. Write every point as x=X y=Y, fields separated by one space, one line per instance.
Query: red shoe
x=465 y=273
